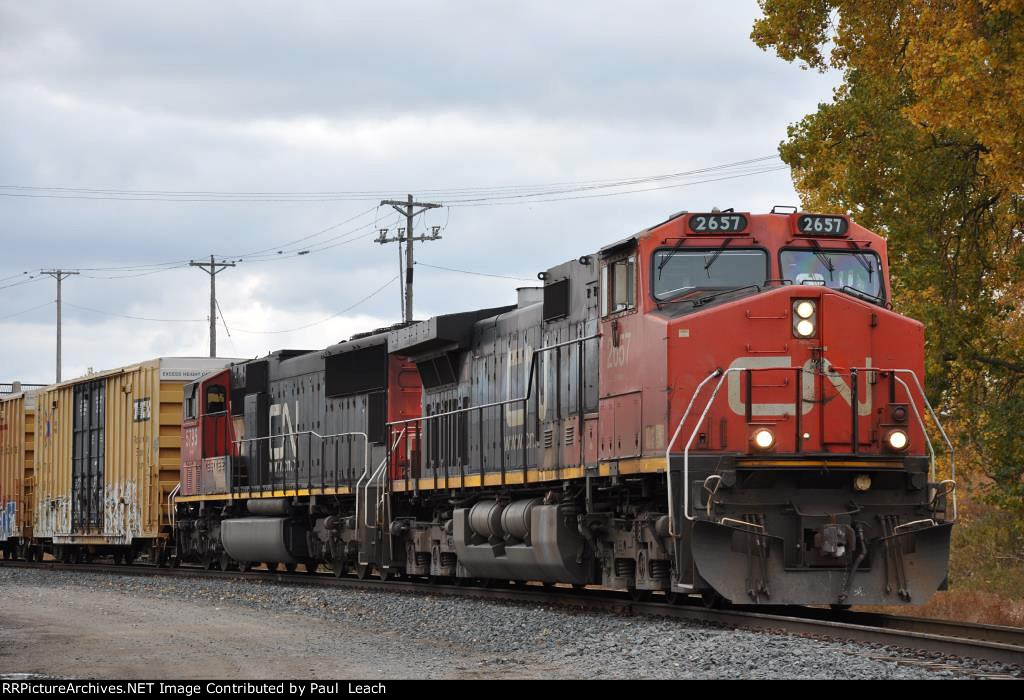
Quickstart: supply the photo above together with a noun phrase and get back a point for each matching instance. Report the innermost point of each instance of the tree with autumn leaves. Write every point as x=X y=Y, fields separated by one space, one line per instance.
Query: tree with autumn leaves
x=924 y=143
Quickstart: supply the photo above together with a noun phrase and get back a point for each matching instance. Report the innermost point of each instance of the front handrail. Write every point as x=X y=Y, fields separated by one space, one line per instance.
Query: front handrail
x=719 y=372
x=938 y=424
x=722 y=374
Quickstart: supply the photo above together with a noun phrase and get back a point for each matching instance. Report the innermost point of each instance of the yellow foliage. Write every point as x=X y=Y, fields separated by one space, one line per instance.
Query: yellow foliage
x=924 y=142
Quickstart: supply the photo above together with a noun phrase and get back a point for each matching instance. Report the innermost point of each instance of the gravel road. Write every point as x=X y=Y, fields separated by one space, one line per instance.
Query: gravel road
x=109 y=626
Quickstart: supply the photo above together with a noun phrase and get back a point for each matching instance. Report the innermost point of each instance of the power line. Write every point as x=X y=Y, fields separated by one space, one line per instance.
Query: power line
x=31 y=278
x=471 y=272
x=477 y=193
x=489 y=203
x=310 y=236
x=20 y=313
x=501 y=195
x=137 y=318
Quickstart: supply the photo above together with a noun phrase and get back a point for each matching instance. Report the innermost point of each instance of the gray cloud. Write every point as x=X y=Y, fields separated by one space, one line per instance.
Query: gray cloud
x=328 y=96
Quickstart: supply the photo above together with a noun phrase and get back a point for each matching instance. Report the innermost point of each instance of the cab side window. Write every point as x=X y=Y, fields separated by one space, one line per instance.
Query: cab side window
x=216 y=399
x=618 y=286
x=190 y=402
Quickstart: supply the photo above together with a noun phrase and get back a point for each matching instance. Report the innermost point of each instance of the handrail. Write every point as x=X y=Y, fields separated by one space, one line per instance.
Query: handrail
x=719 y=372
x=721 y=375
x=313 y=433
x=170 y=504
x=374 y=478
x=503 y=402
x=938 y=424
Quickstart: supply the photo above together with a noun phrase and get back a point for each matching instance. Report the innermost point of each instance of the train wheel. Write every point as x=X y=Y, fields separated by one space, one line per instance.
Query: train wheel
x=638 y=595
x=245 y=566
x=338 y=568
x=712 y=600
x=271 y=565
x=225 y=562
x=129 y=557
x=290 y=567
x=675 y=598
x=362 y=571
x=384 y=574
x=311 y=566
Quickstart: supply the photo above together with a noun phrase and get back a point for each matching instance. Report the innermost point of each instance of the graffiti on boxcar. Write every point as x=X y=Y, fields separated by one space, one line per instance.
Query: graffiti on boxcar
x=54 y=517
x=8 y=518
x=122 y=516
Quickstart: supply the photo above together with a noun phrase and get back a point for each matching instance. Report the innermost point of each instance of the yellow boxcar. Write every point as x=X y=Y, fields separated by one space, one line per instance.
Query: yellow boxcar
x=17 y=433
x=107 y=458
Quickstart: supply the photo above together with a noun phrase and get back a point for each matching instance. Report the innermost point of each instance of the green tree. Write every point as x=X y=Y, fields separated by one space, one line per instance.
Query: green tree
x=924 y=143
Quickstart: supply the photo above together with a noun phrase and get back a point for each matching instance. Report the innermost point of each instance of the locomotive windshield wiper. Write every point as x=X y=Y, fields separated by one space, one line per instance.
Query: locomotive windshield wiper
x=714 y=256
x=863 y=259
x=825 y=260
x=710 y=297
x=866 y=296
x=664 y=260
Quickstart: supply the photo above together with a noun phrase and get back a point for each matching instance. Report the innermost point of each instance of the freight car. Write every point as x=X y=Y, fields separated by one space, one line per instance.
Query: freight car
x=17 y=446
x=722 y=405
x=106 y=459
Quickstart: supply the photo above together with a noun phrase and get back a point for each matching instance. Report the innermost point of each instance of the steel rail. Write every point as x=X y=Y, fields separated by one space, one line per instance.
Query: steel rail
x=945 y=638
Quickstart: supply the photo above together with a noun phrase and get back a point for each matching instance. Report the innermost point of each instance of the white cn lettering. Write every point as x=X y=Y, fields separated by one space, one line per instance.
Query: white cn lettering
x=287 y=429
x=808 y=388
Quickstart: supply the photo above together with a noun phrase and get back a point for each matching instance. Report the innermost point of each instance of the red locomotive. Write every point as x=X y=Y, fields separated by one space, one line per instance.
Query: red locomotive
x=723 y=404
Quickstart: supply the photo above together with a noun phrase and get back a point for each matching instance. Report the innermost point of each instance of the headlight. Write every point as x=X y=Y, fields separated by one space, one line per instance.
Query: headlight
x=804 y=328
x=763 y=439
x=897 y=440
x=861 y=482
x=805 y=318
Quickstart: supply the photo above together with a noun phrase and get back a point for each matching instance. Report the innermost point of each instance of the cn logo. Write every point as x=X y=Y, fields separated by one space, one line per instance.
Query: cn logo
x=808 y=387
x=287 y=429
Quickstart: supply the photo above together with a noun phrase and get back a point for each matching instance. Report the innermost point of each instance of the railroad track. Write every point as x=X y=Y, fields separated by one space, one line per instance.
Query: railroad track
x=934 y=643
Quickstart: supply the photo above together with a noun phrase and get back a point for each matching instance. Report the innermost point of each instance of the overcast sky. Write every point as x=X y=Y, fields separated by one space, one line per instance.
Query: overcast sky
x=384 y=98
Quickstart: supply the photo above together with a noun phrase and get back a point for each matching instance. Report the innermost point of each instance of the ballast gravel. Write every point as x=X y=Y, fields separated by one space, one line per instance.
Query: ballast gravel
x=501 y=639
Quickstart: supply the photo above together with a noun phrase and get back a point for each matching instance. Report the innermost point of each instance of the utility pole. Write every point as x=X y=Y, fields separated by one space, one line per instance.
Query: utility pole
x=58 y=275
x=409 y=209
x=212 y=268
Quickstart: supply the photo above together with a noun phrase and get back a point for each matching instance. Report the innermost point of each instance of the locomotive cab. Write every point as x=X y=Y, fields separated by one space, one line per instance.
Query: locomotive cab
x=800 y=467
x=208 y=434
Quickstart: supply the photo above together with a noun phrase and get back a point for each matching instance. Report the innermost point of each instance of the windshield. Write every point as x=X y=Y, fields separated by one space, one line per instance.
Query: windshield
x=834 y=268
x=679 y=271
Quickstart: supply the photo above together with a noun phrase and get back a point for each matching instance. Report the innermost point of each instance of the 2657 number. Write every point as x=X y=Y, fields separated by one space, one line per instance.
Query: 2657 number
x=717 y=223
x=822 y=225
